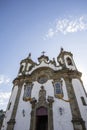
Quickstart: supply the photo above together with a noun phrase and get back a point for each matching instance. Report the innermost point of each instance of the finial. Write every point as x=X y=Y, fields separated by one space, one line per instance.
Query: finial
x=43 y=52
x=62 y=49
x=54 y=62
x=29 y=56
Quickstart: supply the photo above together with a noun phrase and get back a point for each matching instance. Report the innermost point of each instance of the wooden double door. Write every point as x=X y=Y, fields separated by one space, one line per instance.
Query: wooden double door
x=42 y=119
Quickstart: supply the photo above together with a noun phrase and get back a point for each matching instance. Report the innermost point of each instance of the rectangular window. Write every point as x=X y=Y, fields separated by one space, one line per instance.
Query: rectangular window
x=27 y=91
x=58 y=89
x=9 y=105
x=83 y=101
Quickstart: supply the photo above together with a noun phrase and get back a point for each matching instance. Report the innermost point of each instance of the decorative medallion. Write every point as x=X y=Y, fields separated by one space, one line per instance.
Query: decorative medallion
x=42 y=79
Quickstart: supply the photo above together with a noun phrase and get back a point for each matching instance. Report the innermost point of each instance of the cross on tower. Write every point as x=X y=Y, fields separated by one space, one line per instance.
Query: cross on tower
x=29 y=56
x=61 y=49
x=43 y=52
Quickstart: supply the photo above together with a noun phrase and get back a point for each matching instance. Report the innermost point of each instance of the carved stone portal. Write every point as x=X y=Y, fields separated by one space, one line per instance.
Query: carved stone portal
x=46 y=116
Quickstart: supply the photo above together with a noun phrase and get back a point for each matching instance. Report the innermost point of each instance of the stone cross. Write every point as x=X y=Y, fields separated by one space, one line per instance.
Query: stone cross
x=43 y=52
x=29 y=56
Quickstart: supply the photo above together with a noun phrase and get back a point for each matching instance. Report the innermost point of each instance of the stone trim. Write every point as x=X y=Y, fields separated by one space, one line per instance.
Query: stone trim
x=79 y=124
x=12 y=121
x=60 y=94
x=42 y=102
x=30 y=86
x=50 y=73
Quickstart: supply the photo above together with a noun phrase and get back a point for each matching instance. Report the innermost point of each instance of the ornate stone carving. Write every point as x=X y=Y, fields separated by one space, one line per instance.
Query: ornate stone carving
x=42 y=94
x=33 y=102
x=42 y=79
x=50 y=100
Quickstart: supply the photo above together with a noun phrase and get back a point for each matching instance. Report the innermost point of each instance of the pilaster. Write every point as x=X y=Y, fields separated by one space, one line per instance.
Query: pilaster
x=12 y=121
x=77 y=120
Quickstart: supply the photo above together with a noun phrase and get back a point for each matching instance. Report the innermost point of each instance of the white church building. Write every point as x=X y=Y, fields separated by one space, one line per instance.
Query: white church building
x=48 y=95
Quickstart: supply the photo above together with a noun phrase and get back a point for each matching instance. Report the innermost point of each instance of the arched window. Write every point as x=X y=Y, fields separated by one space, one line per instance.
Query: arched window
x=21 y=69
x=69 y=61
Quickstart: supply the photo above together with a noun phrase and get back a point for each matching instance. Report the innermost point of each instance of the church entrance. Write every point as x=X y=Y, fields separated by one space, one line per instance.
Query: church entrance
x=41 y=119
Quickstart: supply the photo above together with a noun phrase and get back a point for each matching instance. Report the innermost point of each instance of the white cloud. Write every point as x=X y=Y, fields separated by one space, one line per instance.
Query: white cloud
x=68 y=25
x=4 y=79
x=4 y=97
x=1 y=79
x=50 y=33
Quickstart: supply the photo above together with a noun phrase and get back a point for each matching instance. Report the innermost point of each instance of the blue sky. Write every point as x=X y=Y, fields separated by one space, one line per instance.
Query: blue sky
x=40 y=25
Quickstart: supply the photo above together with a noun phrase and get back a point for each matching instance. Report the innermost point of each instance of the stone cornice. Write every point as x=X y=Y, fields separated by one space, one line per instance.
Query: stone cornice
x=51 y=74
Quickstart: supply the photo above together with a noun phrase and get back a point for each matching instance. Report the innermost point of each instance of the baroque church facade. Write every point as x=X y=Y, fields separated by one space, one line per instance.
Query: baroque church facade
x=48 y=95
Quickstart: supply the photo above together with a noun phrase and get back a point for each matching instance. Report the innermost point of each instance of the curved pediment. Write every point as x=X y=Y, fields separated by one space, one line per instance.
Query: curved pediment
x=45 y=65
x=42 y=74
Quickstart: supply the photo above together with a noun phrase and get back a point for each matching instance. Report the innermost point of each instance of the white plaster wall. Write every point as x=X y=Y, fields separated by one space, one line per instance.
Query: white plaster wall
x=35 y=90
x=78 y=88
x=64 y=90
x=62 y=122
x=23 y=123
x=47 y=86
x=9 y=112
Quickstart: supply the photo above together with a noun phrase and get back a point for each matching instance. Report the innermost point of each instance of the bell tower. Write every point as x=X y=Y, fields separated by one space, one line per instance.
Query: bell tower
x=65 y=59
x=26 y=65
